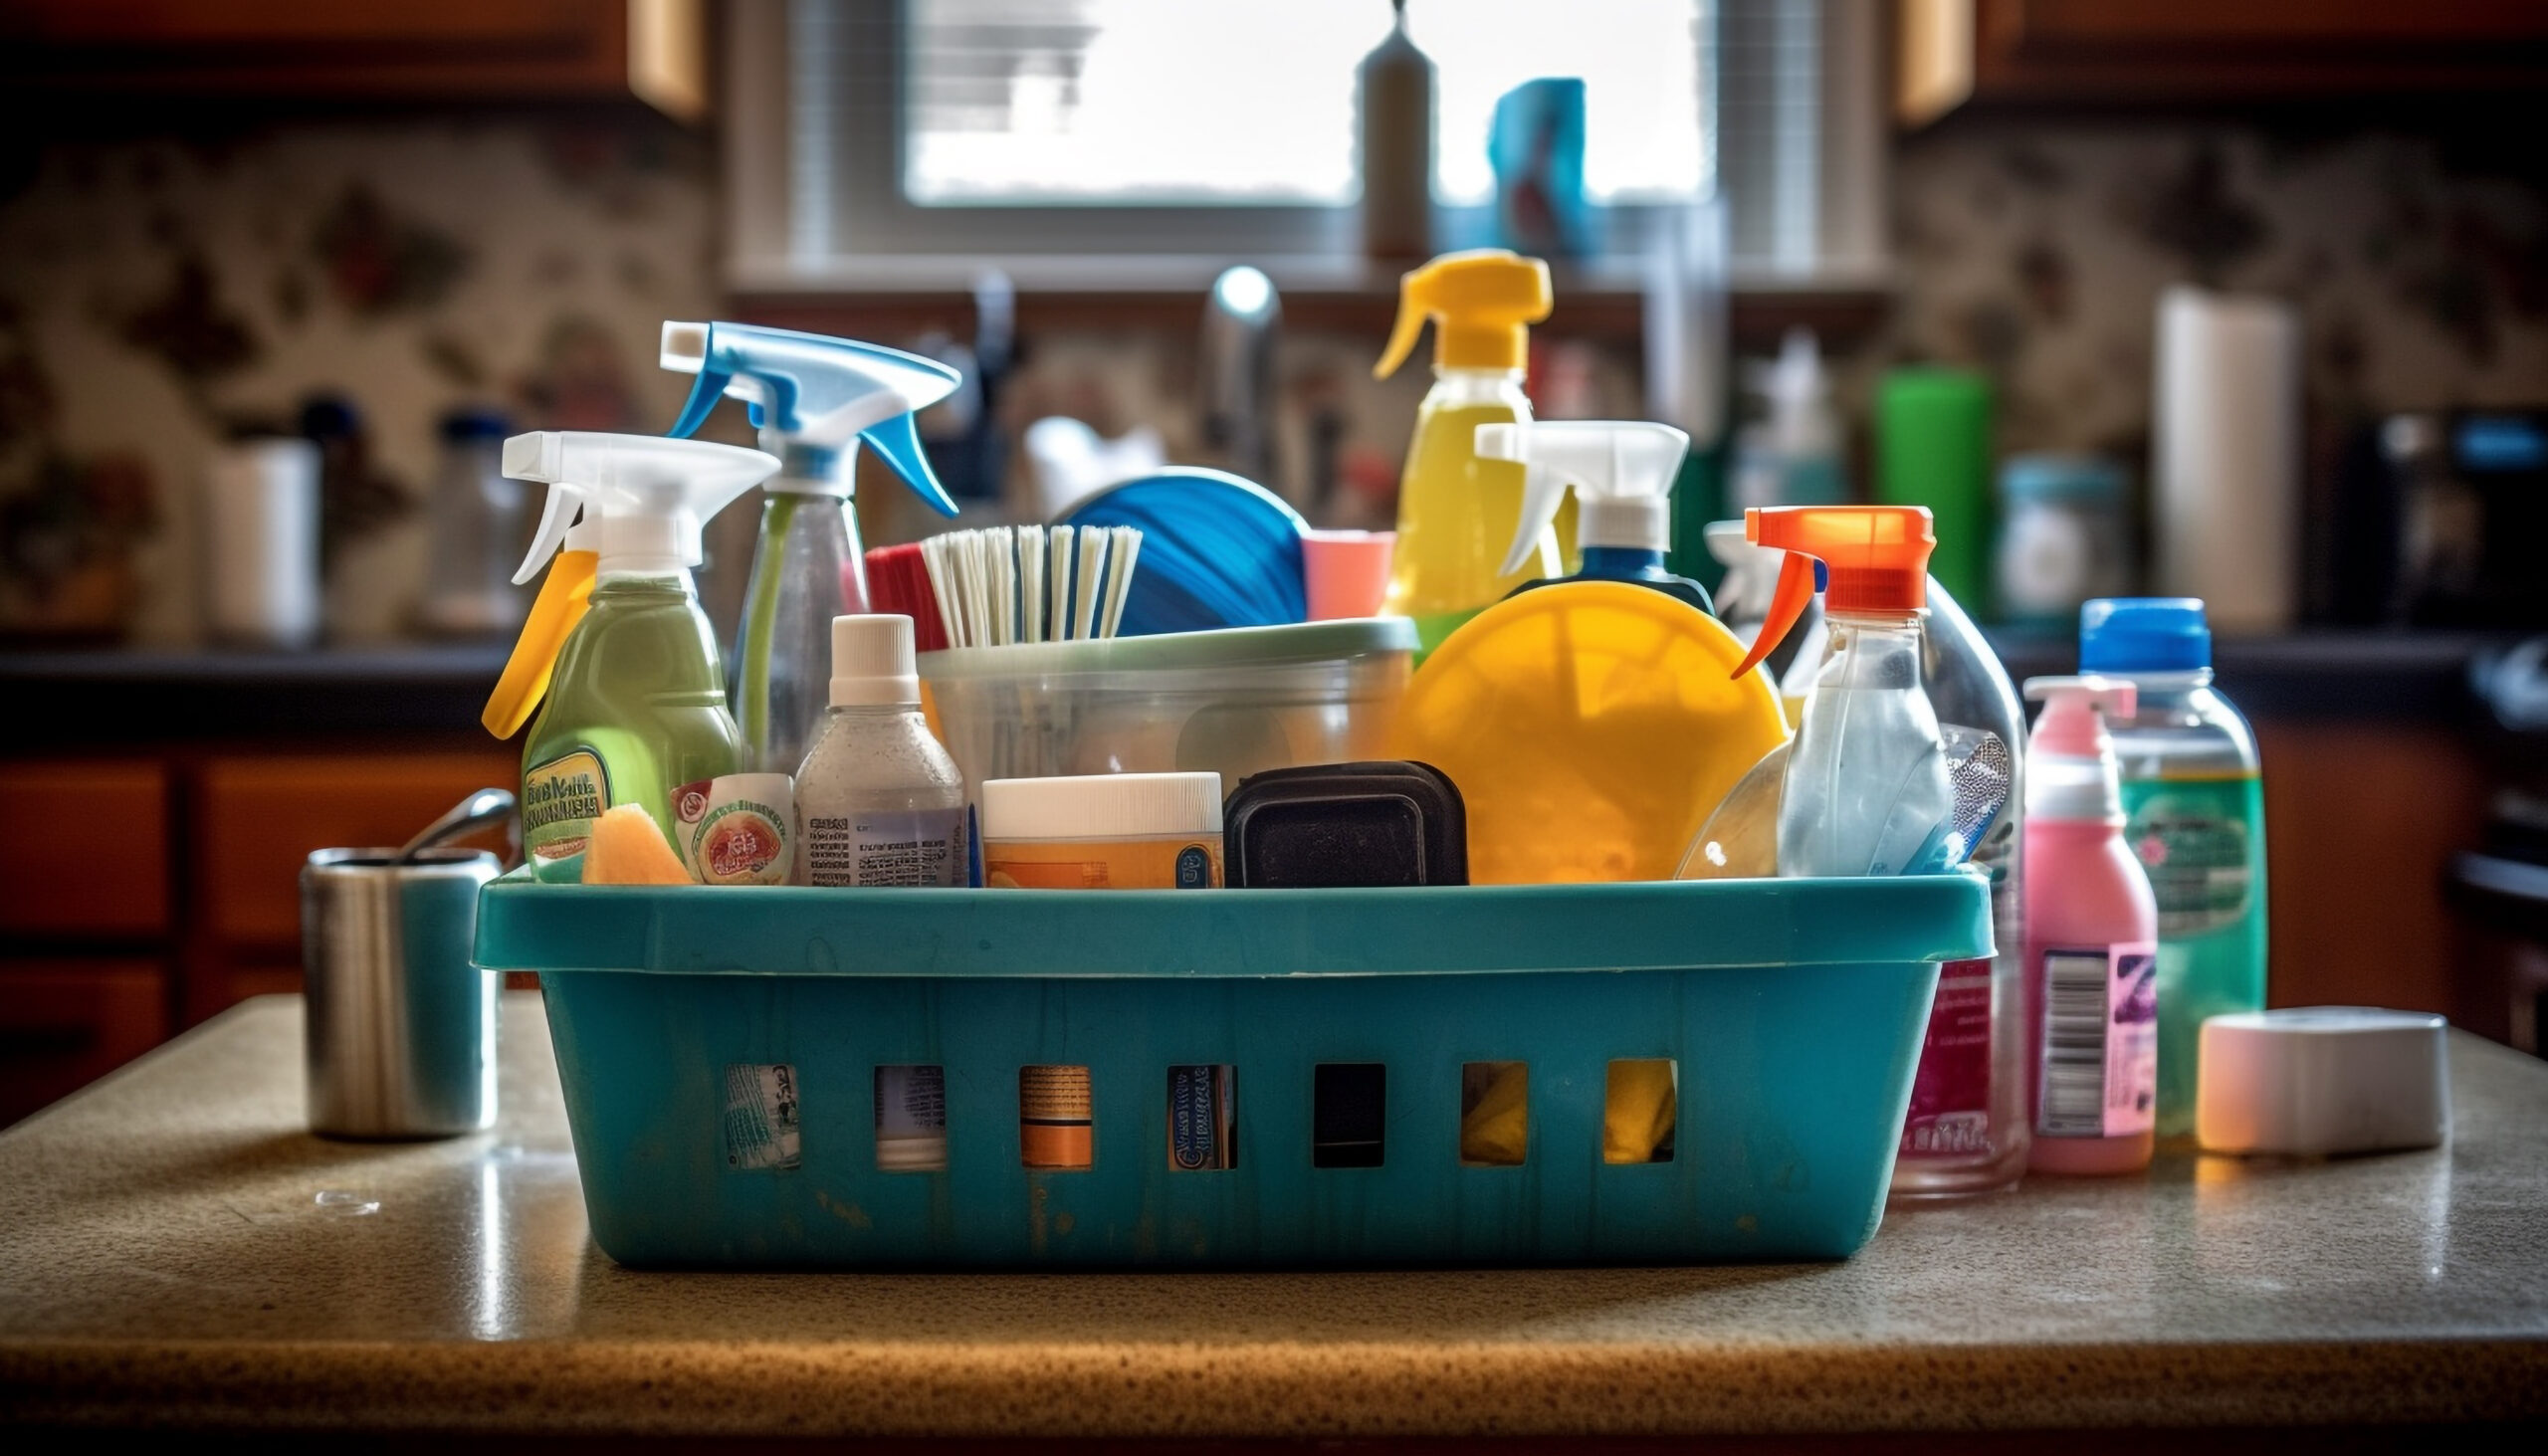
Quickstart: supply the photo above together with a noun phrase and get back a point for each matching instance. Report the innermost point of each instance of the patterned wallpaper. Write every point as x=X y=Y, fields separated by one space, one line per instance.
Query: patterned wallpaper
x=155 y=295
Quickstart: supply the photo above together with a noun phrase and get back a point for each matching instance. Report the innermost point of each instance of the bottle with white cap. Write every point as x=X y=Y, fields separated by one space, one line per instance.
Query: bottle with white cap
x=1621 y=472
x=878 y=800
x=616 y=645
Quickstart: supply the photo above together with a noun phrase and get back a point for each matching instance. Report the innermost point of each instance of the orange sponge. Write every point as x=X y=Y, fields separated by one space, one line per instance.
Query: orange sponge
x=628 y=849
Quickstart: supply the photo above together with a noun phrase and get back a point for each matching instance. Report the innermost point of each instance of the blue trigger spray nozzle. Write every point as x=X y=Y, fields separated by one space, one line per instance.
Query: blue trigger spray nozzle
x=806 y=390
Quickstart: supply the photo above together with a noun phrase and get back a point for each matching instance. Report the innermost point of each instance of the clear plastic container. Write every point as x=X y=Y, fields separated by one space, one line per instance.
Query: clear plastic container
x=1960 y=1138
x=1232 y=702
x=477 y=524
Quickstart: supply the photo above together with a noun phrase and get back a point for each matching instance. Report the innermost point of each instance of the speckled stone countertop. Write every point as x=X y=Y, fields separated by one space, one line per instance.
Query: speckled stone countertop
x=174 y=1250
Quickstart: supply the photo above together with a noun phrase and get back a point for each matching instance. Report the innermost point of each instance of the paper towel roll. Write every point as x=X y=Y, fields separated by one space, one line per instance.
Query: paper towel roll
x=261 y=537
x=2225 y=457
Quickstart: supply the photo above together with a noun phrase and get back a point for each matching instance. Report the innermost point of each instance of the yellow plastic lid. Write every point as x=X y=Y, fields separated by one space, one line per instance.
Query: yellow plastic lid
x=1481 y=303
x=1590 y=727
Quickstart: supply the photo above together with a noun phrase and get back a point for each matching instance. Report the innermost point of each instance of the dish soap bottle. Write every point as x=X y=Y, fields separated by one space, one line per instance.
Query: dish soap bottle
x=814 y=400
x=2195 y=813
x=878 y=799
x=1455 y=510
x=636 y=701
x=2092 y=978
x=1866 y=790
x=1623 y=472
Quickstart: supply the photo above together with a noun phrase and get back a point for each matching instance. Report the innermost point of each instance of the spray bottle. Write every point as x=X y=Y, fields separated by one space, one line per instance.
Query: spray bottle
x=636 y=700
x=2092 y=929
x=1621 y=472
x=813 y=399
x=1866 y=790
x=1792 y=457
x=1455 y=510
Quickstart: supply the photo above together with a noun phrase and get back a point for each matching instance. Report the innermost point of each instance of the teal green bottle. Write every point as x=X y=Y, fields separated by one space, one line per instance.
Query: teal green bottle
x=2195 y=816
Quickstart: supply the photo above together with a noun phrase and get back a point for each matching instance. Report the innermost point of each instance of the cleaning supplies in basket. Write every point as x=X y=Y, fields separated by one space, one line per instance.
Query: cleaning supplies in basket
x=636 y=703
x=815 y=400
x=2091 y=941
x=879 y=802
x=1621 y=472
x=1456 y=511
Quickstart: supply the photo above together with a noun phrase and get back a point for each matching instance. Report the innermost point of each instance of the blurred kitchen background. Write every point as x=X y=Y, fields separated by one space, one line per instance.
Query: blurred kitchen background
x=403 y=230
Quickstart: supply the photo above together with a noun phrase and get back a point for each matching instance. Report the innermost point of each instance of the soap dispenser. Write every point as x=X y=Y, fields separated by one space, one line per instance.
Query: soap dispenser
x=2092 y=929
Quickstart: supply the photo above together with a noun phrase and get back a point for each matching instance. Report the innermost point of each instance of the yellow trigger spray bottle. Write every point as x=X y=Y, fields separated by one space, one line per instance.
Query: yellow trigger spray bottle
x=635 y=697
x=1457 y=510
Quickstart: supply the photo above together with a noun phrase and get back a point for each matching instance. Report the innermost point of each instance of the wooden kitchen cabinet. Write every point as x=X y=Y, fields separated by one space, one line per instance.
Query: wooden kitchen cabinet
x=258 y=819
x=90 y=860
x=2171 y=51
x=363 y=50
x=66 y=1023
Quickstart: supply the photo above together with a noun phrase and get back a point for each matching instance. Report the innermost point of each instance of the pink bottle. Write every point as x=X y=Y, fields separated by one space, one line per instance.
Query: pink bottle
x=2092 y=929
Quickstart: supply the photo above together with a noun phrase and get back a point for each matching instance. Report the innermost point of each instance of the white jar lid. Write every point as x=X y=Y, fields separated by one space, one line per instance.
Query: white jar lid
x=1101 y=806
x=2323 y=1080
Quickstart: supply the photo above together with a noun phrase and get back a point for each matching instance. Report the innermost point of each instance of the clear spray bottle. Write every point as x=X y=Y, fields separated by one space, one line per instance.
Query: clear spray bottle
x=1866 y=790
x=814 y=400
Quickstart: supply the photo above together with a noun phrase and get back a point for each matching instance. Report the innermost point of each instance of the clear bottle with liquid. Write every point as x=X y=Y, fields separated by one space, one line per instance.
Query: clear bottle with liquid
x=1966 y=1129
x=2193 y=816
x=879 y=802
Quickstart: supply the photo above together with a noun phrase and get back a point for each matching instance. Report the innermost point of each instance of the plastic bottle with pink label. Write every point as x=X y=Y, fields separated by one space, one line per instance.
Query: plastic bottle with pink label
x=2092 y=928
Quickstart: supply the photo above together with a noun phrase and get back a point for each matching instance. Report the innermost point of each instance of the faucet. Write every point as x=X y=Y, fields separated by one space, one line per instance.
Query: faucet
x=1237 y=375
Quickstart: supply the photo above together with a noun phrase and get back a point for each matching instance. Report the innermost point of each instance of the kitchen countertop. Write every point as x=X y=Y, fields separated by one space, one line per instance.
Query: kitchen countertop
x=174 y=1250
x=104 y=697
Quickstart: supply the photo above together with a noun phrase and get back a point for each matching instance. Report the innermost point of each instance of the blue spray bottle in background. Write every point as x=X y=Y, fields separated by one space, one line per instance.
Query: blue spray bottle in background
x=814 y=400
x=2194 y=815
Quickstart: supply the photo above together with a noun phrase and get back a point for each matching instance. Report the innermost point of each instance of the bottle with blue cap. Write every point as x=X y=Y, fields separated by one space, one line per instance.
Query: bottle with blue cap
x=815 y=400
x=2194 y=808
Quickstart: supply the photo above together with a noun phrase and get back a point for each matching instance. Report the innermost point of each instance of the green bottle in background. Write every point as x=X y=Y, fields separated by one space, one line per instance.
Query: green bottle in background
x=1933 y=449
x=2194 y=815
x=636 y=704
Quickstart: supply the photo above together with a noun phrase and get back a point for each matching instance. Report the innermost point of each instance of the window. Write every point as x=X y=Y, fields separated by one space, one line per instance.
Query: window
x=878 y=142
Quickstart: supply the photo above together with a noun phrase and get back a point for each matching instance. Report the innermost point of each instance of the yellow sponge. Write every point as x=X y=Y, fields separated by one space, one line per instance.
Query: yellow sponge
x=628 y=849
x=1637 y=1115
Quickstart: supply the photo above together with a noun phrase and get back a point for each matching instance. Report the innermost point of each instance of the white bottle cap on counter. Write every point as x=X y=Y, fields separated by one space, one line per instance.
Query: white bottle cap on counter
x=1101 y=806
x=2323 y=1080
x=871 y=661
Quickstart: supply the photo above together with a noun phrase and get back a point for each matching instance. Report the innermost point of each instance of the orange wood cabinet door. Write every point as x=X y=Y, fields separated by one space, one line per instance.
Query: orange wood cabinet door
x=90 y=857
x=2361 y=822
x=362 y=49
x=258 y=819
x=66 y=1023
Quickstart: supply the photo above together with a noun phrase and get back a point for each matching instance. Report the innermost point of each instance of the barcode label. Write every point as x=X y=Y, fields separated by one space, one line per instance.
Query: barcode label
x=2100 y=1041
x=2073 y=1104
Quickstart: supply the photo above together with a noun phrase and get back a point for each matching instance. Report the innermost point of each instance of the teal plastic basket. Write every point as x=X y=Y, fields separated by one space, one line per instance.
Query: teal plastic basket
x=1793 y=1012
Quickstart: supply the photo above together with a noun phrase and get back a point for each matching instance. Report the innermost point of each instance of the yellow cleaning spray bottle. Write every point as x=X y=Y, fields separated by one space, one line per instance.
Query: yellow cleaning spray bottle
x=1456 y=511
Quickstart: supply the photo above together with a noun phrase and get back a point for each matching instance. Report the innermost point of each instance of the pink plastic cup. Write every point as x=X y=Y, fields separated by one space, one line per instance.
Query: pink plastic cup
x=1346 y=572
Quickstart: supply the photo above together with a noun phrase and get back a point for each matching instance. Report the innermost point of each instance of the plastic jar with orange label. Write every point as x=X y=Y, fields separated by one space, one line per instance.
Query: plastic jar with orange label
x=1107 y=831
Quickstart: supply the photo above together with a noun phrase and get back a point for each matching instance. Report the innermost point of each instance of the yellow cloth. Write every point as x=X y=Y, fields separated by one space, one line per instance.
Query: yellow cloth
x=1497 y=1130
x=1638 y=1114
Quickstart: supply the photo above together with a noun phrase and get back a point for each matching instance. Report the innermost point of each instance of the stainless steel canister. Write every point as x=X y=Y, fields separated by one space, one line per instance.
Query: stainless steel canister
x=401 y=1027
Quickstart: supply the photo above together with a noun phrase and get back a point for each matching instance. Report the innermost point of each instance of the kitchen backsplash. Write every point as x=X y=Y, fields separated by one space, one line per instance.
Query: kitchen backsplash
x=154 y=294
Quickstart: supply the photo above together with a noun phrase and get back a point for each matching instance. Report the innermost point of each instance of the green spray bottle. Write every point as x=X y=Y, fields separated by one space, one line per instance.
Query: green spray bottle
x=636 y=704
